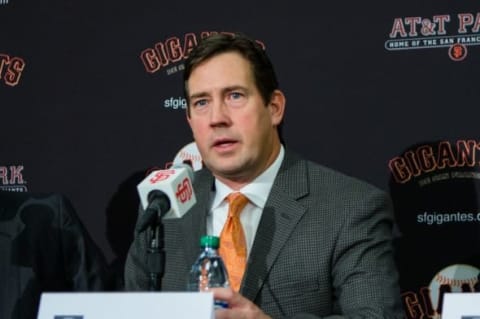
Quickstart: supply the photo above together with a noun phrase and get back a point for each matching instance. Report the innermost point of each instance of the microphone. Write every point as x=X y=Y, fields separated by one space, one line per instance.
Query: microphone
x=166 y=194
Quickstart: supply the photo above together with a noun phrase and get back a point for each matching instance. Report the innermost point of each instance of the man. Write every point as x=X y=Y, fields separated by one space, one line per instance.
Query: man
x=318 y=242
x=43 y=247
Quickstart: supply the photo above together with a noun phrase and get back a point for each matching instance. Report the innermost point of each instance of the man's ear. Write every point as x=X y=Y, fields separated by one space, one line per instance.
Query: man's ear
x=277 y=106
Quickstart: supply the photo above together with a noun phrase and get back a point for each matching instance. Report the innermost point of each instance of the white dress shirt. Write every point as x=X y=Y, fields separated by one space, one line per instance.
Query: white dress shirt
x=257 y=192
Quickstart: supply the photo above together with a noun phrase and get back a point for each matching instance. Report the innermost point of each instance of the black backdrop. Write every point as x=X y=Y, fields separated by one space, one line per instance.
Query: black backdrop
x=90 y=96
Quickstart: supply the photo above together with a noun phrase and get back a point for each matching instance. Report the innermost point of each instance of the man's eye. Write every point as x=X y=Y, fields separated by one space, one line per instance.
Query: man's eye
x=200 y=103
x=235 y=95
x=236 y=99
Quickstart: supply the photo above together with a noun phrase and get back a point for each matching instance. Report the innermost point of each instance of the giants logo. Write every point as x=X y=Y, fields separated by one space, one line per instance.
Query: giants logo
x=184 y=191
x=429 y=158
x=173 y=50
x=427 y=304
x=457 y=52
x=11 y=69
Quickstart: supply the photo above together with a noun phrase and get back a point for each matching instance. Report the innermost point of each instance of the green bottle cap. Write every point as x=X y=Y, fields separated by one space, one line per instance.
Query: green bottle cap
x=209 y=241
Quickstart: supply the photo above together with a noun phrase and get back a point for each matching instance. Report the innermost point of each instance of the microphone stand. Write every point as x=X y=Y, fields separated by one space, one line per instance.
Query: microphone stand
x=156 y=210
x=156 y=255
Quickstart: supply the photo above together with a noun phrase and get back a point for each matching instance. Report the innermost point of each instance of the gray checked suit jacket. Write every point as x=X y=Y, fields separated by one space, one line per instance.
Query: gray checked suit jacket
x=322 y=250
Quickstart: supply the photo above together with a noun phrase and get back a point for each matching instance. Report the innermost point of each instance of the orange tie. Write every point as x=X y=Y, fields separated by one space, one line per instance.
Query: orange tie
x=233 y=246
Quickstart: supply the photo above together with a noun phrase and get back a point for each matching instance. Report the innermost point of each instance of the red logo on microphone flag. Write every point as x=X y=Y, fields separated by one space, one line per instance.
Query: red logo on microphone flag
x=161 y=176
x=184 y=191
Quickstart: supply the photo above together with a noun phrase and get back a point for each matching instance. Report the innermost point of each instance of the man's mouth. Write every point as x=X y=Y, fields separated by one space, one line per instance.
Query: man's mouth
x=223 y=143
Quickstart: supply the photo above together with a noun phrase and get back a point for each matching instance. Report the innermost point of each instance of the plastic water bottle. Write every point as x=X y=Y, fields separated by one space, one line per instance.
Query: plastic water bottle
x=208 y=271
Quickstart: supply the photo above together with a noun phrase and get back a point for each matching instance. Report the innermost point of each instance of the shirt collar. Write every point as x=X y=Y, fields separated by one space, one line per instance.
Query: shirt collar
x=258 y=190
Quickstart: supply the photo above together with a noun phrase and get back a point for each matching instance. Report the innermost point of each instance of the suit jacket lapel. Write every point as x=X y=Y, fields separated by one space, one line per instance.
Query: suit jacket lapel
x=279 y=218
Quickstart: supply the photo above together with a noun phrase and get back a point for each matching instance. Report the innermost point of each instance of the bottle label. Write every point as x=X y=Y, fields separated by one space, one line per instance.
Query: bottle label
x=220 y=304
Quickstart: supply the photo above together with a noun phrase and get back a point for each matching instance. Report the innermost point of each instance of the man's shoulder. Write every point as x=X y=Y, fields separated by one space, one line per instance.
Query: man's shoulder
x=328 y=177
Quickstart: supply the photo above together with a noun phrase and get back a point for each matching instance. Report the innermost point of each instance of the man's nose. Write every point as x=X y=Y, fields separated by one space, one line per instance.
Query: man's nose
x=220 y=114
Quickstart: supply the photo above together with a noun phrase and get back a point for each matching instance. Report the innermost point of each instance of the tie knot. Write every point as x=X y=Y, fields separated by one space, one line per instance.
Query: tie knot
x=236 y=202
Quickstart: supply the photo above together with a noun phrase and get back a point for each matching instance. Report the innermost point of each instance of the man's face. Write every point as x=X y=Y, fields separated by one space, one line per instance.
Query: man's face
x=235 y=131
